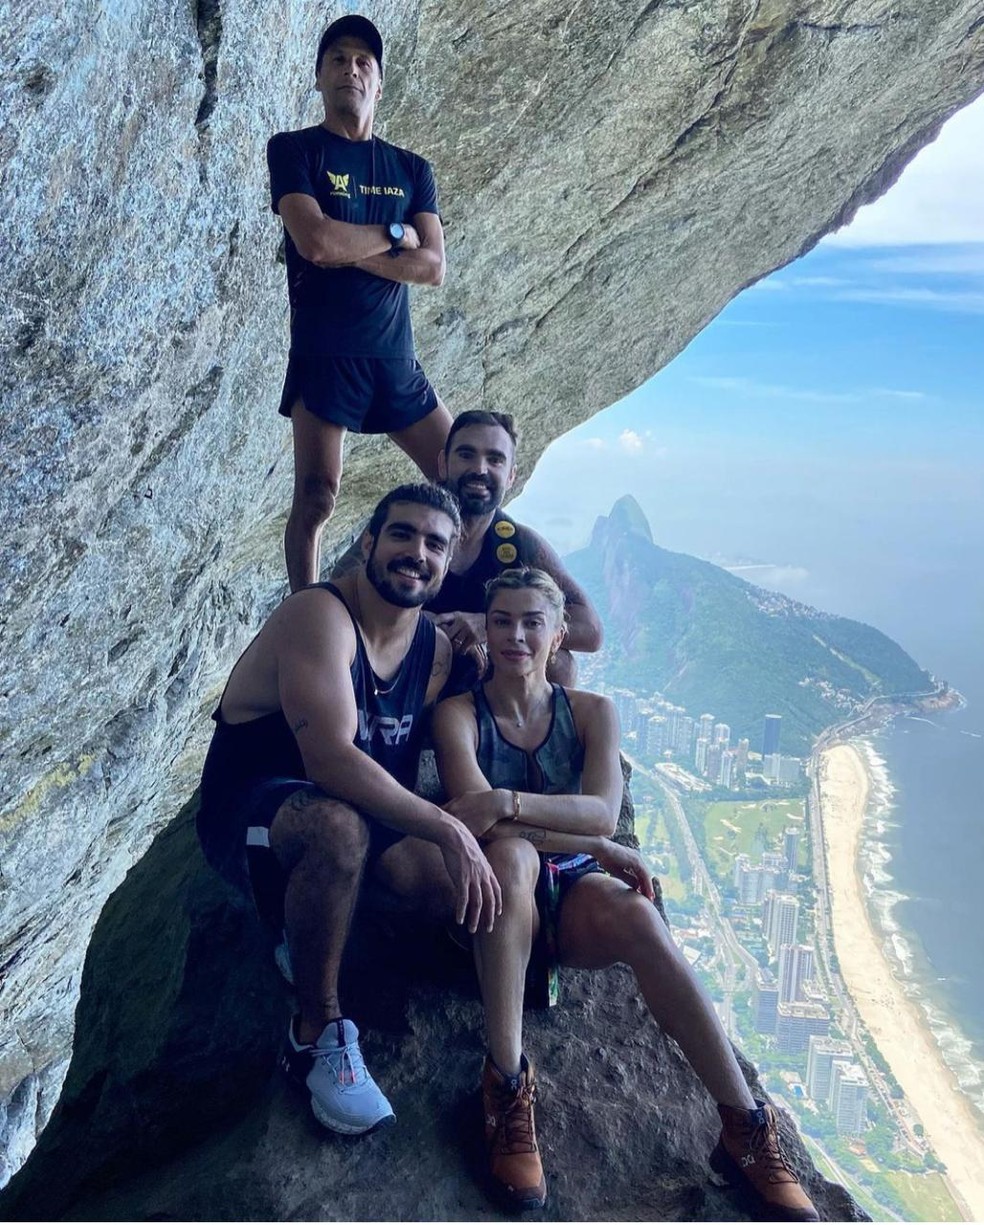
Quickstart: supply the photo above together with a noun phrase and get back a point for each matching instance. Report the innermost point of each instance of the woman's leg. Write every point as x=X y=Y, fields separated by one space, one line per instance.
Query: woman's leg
x=603 y=921
x=501 y=955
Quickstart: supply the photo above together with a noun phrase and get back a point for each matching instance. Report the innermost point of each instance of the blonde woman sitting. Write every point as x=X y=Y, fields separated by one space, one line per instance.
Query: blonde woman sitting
x=533 y=771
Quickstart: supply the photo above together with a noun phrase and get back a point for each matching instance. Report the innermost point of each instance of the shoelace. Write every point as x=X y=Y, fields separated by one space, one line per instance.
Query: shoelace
x=765 y=1144
x=515 y=1111
x=345 y=1061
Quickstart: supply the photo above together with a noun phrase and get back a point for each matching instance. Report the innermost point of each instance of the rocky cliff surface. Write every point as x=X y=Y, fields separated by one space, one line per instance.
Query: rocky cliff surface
x=172 y=1109
x=612 y=174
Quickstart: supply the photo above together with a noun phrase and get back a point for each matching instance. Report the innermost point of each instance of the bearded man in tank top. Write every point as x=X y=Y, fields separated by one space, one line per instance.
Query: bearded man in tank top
x=308 y=781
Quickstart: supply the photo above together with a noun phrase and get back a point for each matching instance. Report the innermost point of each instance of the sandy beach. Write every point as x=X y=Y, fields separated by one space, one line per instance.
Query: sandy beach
x=893 y=1020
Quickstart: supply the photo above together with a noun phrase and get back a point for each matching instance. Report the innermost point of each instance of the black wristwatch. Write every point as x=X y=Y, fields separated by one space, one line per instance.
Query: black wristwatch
x=395 y=230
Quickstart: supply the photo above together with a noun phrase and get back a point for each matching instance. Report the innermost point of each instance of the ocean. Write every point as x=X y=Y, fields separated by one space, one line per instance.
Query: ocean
x=923 y=865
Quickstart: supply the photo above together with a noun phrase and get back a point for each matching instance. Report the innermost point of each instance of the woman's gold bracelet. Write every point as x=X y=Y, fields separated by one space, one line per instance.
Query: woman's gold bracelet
x=517 y=807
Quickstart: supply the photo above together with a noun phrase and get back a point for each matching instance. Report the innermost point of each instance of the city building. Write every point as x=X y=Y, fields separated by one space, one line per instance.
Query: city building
x=821 y=1053
x=700 y=754
x=770 y=766
x=848 y=1097
x=790 y=770
x=722 y=734
x=705 y=727
x=683 y=734
x=770 y=735
x=765 y=1000
x=726 y=769
x=713 y=763
x=795 y=970
x=780 y=913
x=796 y=1022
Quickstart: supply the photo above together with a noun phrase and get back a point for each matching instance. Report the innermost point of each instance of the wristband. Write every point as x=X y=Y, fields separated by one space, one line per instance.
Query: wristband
x=517 y=807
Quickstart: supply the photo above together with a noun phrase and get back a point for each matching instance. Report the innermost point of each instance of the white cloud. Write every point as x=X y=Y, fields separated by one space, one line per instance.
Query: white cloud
x=596 y=444
x=939 y=198
x=935 y=261
x=776 y=391
x=630 y=441
x=955 y=301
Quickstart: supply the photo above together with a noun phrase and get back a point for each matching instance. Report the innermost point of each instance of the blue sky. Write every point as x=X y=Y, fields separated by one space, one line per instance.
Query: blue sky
x=829 y=424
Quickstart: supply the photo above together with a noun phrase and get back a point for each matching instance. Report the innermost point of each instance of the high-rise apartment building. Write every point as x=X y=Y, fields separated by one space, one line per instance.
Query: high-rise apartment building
x=780 y=928
x=713 y=764
x=821 y=1053
x=765 y=1000
x=848 y=1097
x=726 y=770
x=722 y=734
x=796 y=1022
x=700 y=754
x=770 y=735
x=795 y=970
x=705 y=727
x=683 y=735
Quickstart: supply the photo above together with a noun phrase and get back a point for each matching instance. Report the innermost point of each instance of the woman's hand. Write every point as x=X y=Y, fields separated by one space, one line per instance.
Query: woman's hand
x=625 y=865
x=480 y=810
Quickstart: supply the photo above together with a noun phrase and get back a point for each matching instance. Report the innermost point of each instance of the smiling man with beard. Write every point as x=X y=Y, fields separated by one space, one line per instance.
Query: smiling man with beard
x=478 y=465
x=308 y=780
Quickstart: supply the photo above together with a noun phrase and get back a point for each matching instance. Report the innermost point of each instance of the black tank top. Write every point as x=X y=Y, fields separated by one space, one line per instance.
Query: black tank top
x=390 y=727
x=500 y=551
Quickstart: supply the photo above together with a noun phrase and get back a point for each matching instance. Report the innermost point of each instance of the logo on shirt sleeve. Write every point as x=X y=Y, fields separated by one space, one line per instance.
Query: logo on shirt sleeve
x=506 y=553
x=339 y=184
x=505 y=529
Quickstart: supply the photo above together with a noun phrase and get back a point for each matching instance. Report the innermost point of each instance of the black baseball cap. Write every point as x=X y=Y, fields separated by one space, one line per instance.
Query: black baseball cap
x=352 y=26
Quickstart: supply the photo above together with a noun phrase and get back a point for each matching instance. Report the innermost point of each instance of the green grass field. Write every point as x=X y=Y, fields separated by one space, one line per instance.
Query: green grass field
x=652 y=832
x=925 y=1195
x=749 y=828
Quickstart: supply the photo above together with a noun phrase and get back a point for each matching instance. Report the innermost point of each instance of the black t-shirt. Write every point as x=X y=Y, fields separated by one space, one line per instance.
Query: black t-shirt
x=345 y=312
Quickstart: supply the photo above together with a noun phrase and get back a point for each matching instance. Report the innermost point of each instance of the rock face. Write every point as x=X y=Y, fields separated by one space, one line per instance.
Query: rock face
x=614 y=169
x=172 y=1110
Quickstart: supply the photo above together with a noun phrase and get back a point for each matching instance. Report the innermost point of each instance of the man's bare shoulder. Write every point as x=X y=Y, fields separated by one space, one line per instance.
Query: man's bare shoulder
x=314 y=616
x=535 y=551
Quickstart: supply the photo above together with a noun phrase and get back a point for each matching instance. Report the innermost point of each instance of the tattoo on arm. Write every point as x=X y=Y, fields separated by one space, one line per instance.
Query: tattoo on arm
x=299 y=725
x=534 y=835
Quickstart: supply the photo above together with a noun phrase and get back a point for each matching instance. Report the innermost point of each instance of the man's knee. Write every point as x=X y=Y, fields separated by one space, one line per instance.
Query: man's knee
x=314 y=497
x=316 y=828
x=514 y=862
x=562 y=669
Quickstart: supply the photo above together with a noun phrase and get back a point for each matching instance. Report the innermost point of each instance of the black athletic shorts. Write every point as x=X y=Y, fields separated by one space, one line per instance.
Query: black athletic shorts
x=239 y=849
x=367 y=395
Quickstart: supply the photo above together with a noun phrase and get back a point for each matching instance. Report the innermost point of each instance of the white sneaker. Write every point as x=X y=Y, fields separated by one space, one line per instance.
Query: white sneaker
x=344 y=1097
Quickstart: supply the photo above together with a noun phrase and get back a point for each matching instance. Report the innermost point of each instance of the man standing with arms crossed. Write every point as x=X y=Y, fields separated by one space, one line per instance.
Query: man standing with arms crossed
x=361 y=223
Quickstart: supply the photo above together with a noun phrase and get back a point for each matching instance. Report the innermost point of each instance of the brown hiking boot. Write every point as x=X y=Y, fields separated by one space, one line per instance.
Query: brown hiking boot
x=510 y=1136
x=749 y=1156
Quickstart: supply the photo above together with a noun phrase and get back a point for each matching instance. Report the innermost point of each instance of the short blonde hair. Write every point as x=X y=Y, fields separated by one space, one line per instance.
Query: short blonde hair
x=528 y=578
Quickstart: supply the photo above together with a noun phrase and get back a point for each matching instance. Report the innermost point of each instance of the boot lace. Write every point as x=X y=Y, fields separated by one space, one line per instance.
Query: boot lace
x=766 y=1147
x=515 y=1132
